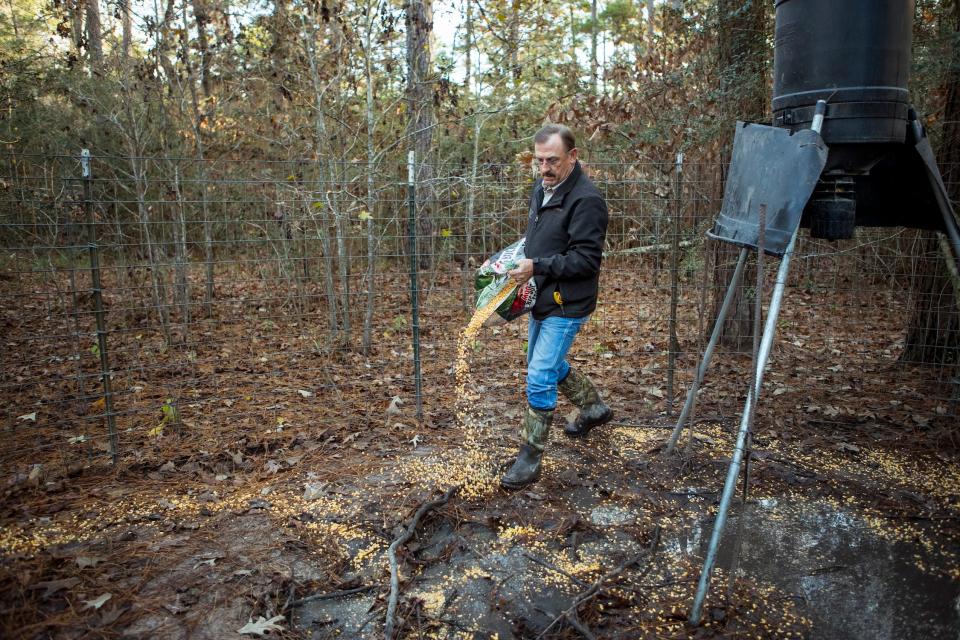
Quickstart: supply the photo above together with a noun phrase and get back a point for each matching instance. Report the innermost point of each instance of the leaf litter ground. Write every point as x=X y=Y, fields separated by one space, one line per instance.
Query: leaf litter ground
x=298 y=466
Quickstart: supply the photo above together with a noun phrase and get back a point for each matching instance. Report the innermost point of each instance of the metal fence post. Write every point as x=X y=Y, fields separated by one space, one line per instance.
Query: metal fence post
x=414 y=286
x=98 y=303
x=674 y=284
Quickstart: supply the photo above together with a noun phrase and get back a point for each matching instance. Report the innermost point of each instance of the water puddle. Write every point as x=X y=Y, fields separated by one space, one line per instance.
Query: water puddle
x=853 y=576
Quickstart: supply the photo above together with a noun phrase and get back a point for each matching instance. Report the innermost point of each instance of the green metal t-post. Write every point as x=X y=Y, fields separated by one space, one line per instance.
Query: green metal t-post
x=98 y=304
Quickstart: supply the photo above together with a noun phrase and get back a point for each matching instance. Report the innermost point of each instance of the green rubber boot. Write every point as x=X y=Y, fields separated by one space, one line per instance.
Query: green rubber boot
x=579 y=390
x=534 y=434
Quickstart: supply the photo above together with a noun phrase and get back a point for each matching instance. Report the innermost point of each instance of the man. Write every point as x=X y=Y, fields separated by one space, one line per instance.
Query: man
x=566 y=229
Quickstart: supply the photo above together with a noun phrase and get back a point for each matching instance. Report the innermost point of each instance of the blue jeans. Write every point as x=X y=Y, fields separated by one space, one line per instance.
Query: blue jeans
x=548 y=342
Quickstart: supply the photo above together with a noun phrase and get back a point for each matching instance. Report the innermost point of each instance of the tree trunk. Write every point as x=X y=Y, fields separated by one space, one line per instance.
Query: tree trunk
x=324 y=180
x=280 y=54
x=650 y=14
x=197 y=118
x=76 y=27
x=343 y=257
x=742 y=58
x=467 y=280
x=371 y=198
x=515 y=68
x=158 y=290
x=594 y=65
x=468 y=47
x=126 y=21
x=933 y=331
x=338 y=170
x=202 y=16
x=94 y=38
x=182 y=288
x=422 y=120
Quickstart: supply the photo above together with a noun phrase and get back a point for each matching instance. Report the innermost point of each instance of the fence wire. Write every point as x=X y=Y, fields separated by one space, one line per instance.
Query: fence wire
x=244 y=297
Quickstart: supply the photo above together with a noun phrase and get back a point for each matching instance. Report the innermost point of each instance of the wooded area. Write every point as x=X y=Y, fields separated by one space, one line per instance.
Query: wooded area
x=345 y=82
x=213 y=421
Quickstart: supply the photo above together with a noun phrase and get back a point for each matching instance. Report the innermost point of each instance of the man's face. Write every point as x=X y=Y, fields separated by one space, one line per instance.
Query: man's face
x=554 y=161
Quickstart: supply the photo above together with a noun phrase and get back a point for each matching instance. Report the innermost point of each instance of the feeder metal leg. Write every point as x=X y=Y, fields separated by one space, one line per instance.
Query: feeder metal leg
x=734 y=470
x=708 y=352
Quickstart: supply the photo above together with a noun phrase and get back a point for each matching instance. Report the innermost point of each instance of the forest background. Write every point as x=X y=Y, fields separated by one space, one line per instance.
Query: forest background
x=217 y=316
x=330 y=97
x=363 y=82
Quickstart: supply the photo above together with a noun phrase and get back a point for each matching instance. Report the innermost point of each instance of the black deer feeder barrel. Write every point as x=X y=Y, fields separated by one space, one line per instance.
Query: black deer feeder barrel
x=856 y=57
x=851 y=54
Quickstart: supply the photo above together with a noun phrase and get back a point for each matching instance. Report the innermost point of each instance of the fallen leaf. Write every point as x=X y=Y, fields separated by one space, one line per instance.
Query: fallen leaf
x=305 y=393
x=88 y=561
x=97 y=603
x=52 y=586
x=209 y=562
x=272 y=466
x=313 y=491
x=31 y=417
x=174 y=608
x=394 y=408
x=262 y=626
x=109 y=616
x=704 y=438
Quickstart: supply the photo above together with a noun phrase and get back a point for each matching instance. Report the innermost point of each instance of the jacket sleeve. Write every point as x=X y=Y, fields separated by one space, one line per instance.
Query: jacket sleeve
x=588 y=231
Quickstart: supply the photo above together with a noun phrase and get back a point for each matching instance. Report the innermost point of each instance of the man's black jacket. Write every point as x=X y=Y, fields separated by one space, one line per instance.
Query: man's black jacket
x=565 y=240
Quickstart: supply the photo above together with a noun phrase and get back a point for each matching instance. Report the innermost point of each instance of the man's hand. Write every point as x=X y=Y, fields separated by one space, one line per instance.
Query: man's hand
x=523 y=272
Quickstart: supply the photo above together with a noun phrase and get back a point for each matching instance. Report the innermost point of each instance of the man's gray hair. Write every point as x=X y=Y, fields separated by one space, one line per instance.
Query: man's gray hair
x=549 y=130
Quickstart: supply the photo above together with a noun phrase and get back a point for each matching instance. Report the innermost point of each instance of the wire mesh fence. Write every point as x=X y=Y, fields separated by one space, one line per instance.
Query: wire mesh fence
x=166 y=300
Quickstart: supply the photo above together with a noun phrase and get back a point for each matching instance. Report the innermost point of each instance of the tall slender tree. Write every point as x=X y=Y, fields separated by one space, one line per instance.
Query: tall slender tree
x=421 y=118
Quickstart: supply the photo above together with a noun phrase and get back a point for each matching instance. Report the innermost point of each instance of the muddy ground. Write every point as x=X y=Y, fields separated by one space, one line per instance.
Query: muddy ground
x=269 y=505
